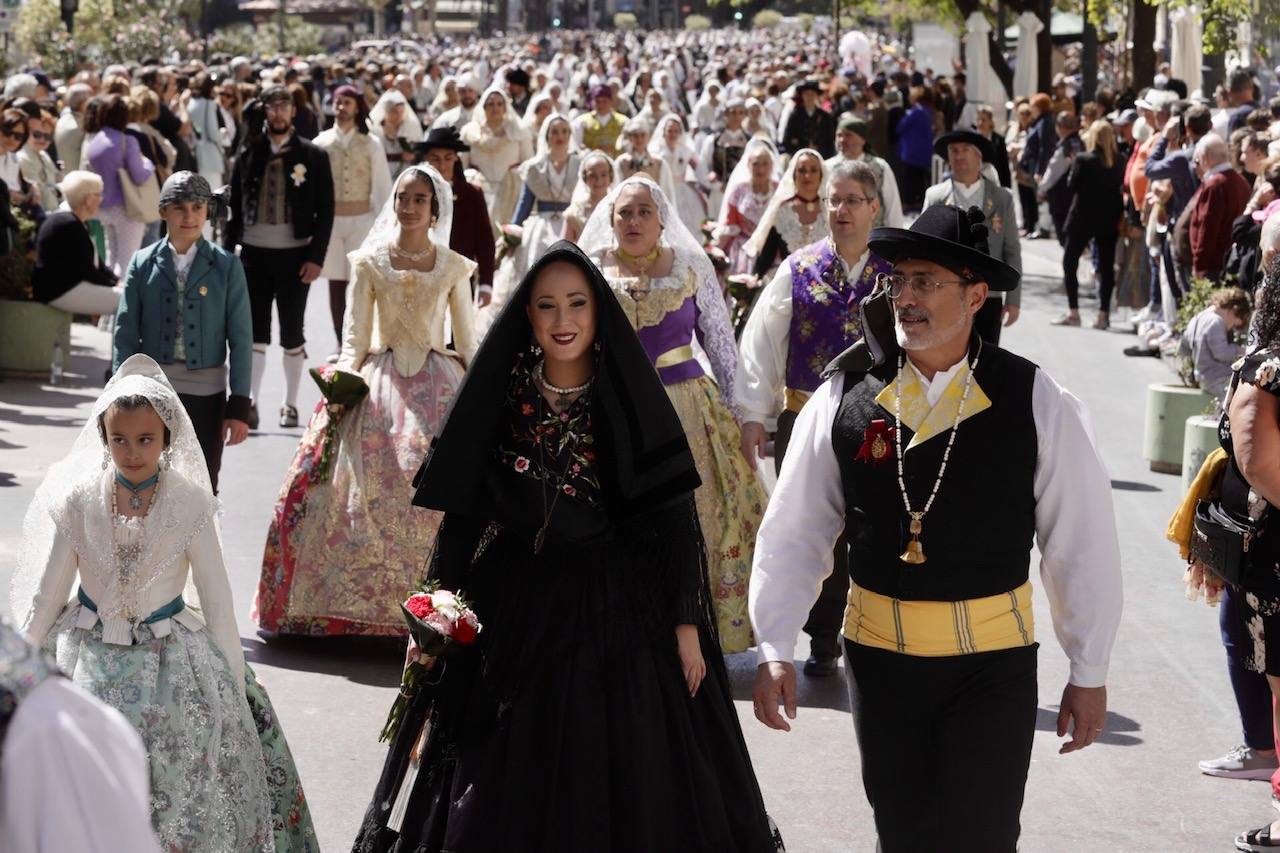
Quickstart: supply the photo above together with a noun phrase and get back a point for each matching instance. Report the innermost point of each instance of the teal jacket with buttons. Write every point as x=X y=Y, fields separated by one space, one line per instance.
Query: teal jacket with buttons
x=215 y=315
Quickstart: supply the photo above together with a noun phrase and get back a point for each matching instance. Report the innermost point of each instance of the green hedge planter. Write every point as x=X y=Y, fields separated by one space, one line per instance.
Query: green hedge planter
x=27 y=333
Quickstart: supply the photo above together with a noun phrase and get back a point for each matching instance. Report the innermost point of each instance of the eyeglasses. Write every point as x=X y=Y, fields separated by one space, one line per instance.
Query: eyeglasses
x=852 y=201
x=41 y=135
x=922 y=285
x=226 y=94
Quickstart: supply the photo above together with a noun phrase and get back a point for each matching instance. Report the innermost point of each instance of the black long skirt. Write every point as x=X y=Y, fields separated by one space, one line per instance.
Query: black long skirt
x=570 y=727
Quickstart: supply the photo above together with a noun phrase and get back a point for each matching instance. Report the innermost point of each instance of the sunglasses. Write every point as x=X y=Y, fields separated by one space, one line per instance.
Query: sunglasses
x=22 y=137
x=41 y=135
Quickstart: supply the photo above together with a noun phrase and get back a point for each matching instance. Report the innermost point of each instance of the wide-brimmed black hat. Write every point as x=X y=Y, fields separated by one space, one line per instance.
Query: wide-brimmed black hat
x=810 y=84
x=518 y=76
x=442 y=137
x=950 y=236
x=968 y=137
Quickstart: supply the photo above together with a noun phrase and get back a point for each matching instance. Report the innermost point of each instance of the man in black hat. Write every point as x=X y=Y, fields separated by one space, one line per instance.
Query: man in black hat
x=282 y=209
x=809 y=125
x=472 y=233
x=965 y=152
x=920 y=434
x=518 y=89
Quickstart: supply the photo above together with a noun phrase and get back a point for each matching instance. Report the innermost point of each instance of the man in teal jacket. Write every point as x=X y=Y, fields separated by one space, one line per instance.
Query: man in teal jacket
x=186 y=304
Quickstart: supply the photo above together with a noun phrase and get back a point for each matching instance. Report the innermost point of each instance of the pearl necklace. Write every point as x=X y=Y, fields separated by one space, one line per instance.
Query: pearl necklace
x=412 y=256
x=563 y=395
x=915 y=551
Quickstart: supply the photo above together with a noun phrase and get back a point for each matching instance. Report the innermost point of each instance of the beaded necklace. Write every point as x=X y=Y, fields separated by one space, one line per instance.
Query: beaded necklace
x=915 y=551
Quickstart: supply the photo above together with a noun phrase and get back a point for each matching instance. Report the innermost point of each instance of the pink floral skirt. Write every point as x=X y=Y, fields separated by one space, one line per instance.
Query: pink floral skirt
x=343 y=551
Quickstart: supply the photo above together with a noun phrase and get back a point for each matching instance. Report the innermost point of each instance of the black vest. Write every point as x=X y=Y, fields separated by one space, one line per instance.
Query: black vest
x=979 y=532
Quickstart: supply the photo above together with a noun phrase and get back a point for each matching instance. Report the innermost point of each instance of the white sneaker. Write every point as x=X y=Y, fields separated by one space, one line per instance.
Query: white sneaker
x=1241 y=763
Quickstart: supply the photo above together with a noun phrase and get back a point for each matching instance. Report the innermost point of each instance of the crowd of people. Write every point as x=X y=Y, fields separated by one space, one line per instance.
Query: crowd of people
x=582 y=288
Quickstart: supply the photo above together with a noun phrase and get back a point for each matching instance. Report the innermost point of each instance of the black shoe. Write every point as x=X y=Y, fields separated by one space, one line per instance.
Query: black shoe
x=288 y=416
x=820 y=667
x=1142 y=351
x=253 y=416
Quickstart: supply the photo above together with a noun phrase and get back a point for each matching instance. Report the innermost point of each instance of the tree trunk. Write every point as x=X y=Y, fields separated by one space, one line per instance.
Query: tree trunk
x=1144 y=51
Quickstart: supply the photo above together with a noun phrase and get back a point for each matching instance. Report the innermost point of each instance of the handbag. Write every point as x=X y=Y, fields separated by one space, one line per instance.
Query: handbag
x=1221 y=541
x=141 y=201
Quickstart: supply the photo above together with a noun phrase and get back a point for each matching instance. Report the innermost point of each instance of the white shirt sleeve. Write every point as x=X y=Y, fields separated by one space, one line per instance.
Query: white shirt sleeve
x=893 y=217
x=74 y=776
x=804 y=519
x=762 y=364
x=1076 y=533
x=216 y=603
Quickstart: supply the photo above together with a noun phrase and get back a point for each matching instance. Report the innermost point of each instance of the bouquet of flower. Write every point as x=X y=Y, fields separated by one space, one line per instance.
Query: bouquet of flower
x=512 y=237
x=341 y=391
x=442 y=625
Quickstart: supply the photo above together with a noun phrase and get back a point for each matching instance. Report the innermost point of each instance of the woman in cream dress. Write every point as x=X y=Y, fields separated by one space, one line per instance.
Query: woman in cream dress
x=499 y=144
x=668 y=289
x=344 y=548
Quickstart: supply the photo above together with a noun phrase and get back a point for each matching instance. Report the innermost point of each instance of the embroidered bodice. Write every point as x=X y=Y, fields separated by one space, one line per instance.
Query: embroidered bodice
x=795 y=233
x=675 y=308
x=494 y=155
x=404 y=310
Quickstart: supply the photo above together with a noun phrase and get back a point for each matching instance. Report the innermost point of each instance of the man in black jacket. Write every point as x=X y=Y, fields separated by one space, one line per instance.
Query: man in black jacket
x=810 y=126
x=282 y=209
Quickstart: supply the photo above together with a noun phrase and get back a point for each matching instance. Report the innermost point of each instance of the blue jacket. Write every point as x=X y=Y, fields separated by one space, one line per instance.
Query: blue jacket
x=915 y=137
x=1175 y=168
x=215 y=312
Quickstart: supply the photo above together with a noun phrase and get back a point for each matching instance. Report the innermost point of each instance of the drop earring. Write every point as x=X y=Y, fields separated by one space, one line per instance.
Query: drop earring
x=106 y=458
x=166 y=459
x=535 y=349
x=596 y=346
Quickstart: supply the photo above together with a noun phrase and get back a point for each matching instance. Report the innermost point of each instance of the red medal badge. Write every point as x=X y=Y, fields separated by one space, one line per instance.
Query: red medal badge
x=877 y=443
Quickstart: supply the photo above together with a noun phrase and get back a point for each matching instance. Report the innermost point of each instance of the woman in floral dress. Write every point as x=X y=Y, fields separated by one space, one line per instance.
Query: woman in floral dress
x=344 y=545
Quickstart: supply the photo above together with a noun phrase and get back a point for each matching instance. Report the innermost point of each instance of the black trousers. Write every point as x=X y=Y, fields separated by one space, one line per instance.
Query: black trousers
x=273 y=276
x=945 y=743
x=1077 y=242
x=1030 y=207
x=826 y=618
x=206 y=413
x=987 y=321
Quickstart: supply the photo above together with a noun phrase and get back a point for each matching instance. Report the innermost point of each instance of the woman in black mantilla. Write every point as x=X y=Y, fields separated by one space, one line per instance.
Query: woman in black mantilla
x=595 y=712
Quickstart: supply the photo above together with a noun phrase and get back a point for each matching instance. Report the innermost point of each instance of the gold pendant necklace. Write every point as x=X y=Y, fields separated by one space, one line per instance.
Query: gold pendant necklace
x=641 y=263
x=914 y=553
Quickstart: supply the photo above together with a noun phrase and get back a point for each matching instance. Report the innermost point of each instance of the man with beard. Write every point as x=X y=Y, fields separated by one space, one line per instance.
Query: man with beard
x=942 y=459
x=472 y=234
x=518 y=88
x=805 y=317
x=468 y=97
x=851 y=144
x=361 y=185
x=282 y=211
x=965 y=151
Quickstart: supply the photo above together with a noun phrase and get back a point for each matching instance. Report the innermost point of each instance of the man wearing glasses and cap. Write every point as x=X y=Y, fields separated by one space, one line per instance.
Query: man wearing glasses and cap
x=966 y=152
x=921 y=433
x=851 y=143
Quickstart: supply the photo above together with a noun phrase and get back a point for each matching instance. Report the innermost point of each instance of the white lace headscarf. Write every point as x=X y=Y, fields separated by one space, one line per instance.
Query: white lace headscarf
x=658 y=143
x=386 y=228
x=410 y=127
x=578 y=203
x=598 y=239
x=784 y=193
x=510 y=121
x=742 y=172
x=530 y=120
x=75 y=501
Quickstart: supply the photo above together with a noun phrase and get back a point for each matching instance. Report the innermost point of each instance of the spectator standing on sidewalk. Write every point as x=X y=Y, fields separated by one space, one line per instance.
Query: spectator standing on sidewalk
x=1222 y=197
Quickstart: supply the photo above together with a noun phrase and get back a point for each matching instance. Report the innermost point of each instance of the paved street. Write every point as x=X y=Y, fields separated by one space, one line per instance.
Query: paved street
x=1137 y=789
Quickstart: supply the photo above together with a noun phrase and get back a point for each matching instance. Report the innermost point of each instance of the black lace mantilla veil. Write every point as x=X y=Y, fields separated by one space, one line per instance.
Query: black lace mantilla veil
x=646 y=469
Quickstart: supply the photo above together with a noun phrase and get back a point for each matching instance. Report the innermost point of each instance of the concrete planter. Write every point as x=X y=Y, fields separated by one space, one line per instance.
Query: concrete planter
x=1168 y=407
x=27 y=334
x=1199 y=439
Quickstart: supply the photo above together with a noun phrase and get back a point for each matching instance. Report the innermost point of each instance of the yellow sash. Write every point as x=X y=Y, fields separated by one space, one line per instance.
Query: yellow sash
x=672 y=357
x=926 y=422
x=795 y=400
x=940 y=628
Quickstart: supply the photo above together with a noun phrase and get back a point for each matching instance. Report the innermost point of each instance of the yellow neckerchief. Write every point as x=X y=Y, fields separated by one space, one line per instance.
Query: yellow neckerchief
x=928 y=421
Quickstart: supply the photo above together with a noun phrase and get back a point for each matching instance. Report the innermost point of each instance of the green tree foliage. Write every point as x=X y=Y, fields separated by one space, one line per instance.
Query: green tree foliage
x=300 y=38
x=130 y=30
x=766 y=19
x=41 y=34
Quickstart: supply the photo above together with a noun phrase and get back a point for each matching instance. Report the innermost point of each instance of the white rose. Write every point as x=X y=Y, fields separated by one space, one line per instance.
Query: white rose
x=1267 y=371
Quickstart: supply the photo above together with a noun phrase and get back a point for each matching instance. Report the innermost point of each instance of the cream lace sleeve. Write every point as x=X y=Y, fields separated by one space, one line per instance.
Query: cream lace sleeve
x=53 y=592
x=715 y=333
x=357 y=325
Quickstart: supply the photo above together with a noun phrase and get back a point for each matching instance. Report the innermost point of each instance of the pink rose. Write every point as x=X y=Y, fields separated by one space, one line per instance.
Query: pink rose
x=439 y=623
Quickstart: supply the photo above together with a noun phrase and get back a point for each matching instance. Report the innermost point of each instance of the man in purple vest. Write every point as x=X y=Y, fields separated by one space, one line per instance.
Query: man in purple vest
x=806 y=316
